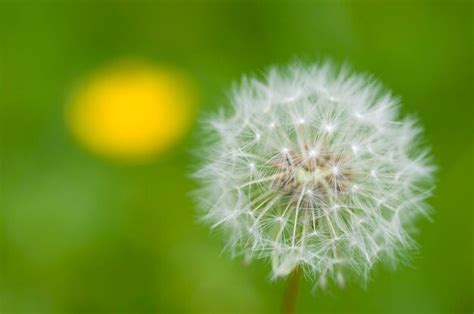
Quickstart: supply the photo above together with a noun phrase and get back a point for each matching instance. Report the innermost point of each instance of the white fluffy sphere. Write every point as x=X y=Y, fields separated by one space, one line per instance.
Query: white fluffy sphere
x=314 y=168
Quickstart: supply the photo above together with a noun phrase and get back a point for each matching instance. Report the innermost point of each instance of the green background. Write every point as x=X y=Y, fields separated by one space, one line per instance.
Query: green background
x=82 y=234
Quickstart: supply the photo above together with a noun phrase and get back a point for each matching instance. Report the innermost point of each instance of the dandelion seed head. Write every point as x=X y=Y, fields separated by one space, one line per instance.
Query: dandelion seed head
x=336 y=180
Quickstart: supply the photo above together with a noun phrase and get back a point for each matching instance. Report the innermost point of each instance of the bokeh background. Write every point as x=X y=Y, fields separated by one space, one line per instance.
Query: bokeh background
x=83 y=231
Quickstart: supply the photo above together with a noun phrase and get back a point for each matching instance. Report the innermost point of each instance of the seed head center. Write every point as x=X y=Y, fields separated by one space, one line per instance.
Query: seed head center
x=322 y=174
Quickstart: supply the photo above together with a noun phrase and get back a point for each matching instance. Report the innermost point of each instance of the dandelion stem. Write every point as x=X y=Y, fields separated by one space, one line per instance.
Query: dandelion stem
x=291 y=293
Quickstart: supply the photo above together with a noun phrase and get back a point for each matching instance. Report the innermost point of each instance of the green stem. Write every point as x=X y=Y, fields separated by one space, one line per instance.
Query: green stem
x=291 y=293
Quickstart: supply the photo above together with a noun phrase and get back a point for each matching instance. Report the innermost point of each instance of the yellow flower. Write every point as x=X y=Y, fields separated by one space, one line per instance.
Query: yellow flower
x=132 y=111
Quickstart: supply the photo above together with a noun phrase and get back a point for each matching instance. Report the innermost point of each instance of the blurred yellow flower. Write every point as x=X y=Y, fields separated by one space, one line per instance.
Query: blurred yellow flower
x=132 y=111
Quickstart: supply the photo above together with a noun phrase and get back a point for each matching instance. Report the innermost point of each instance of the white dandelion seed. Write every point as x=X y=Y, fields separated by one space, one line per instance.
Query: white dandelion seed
x=314 y=169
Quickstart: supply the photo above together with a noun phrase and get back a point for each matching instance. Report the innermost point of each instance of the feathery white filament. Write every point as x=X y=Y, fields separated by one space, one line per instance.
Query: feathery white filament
x=314 y=168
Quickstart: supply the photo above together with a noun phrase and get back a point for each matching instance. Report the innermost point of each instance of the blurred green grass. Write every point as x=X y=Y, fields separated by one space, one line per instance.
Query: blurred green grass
x=83 y=234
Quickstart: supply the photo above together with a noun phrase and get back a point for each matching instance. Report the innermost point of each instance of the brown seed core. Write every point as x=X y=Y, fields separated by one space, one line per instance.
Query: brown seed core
x=320 y=173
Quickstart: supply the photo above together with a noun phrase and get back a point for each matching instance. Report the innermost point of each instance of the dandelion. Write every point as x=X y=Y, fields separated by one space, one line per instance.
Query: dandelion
x=131 y=110
x=314 y=169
